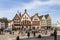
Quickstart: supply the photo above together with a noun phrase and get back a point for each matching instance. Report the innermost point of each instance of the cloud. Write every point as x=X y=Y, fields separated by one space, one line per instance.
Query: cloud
x=36 y=3
x=29 y=5
x=8 y=8
x=44 y=0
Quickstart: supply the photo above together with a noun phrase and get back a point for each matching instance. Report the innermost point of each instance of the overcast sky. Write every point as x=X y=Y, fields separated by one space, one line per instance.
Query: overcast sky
x=8 y=8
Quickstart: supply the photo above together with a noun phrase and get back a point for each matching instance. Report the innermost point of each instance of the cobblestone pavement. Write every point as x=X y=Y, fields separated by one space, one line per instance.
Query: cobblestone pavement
x=7 y=36
x=43 y=38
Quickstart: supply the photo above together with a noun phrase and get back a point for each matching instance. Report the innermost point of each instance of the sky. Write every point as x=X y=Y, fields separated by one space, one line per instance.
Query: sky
x=8 y=8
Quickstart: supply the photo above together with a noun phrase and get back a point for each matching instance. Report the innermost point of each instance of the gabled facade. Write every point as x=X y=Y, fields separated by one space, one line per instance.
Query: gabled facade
x=25 y=20
x=36 y=21
x=25 y=16
x=16 y=21
x=48 y=21
x=43 y=21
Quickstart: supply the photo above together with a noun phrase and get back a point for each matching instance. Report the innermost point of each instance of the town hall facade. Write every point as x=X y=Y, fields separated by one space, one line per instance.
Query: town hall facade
x=27 y=22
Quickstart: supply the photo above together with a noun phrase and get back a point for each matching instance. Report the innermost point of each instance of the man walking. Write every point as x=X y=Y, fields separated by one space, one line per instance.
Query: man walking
x=55 y=34
x=34 y=33
x=28 y=34
x=17 y=38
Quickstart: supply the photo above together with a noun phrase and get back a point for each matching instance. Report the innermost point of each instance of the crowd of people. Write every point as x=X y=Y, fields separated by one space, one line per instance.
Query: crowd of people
x=28 y=35
x=34 y=34
x=39 y=36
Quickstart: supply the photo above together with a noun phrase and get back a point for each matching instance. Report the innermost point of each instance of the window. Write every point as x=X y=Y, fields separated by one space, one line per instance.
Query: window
x=27 y=17
x=23 y=17
x=35 y=19
x=2 y=25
